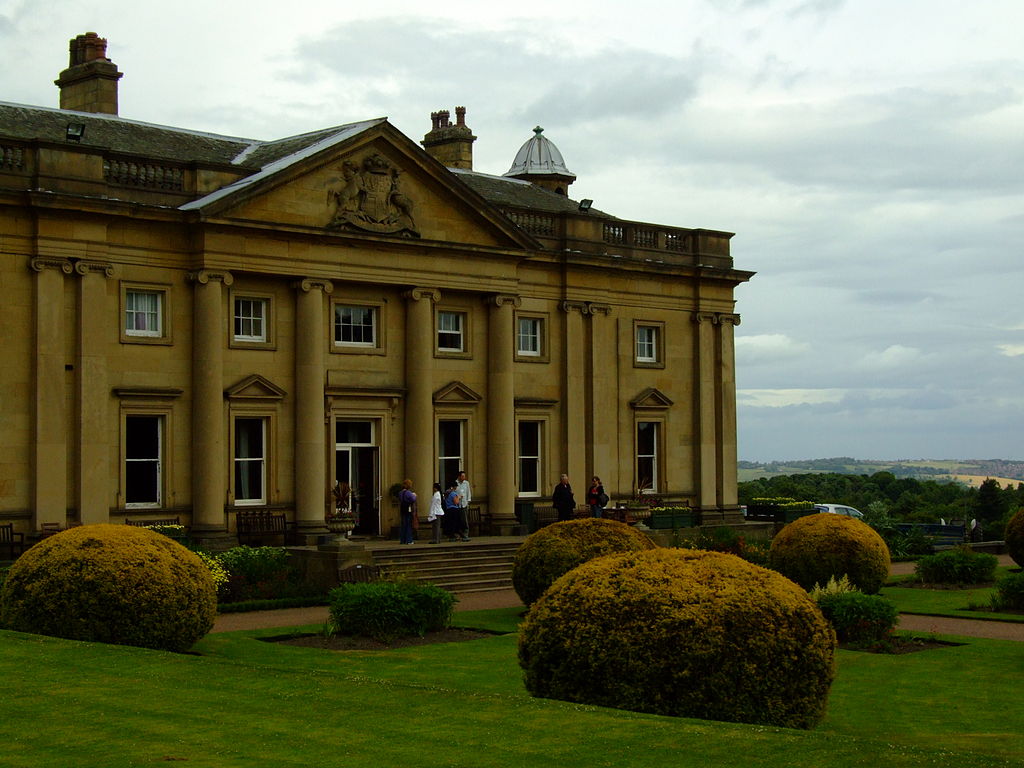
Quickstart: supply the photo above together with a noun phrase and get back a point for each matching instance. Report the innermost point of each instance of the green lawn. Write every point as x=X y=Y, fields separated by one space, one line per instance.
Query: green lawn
x=244 y=702
x=946 y=602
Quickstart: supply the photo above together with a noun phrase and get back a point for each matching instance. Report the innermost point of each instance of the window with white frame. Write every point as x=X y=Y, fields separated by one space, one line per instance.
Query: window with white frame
x=529 y=336
x=250 y=319
x=449 y=450
x=647 y=479
x=529 y=458
x=143 y=453
x=355 y=325
x=250 y=460
x=451 y=327
x=647 y=344
x=143 y=312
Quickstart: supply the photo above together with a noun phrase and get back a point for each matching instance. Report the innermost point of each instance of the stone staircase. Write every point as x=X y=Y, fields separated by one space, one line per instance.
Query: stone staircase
x=476 y=566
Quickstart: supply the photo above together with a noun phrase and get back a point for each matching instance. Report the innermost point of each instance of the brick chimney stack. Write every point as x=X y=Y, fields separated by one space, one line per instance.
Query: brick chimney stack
x=89 y=84
x=450 y=144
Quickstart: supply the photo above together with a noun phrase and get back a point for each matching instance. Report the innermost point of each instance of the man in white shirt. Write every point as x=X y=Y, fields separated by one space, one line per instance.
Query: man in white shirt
x=465 y=495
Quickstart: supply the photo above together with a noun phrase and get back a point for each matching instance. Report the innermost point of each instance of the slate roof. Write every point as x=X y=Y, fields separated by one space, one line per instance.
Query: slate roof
x=515 y=193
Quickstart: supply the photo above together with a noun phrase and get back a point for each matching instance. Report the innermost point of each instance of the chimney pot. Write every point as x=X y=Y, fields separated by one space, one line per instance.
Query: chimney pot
x=460 y=115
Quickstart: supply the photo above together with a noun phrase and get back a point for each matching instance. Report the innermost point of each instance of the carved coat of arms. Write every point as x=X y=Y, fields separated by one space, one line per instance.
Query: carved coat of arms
x=368 y=197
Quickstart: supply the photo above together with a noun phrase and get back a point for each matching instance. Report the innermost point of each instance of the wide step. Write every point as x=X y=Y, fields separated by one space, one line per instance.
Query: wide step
x=457 y=567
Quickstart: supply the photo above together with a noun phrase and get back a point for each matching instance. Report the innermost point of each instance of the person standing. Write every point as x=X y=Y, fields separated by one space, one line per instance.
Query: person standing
x=596 y=497
x=436 y=514
x=465 y=495
x=407 y=508
x=451 y=518
x=562 y=499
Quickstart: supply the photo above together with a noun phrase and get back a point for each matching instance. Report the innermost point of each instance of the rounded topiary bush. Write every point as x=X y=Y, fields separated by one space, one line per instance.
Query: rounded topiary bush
x=1014 y=537
x=681 y=632
x=815 y=548
x=111 y=584
x=556 y=549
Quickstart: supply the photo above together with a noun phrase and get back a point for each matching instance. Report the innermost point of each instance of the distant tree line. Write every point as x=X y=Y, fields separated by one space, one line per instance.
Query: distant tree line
x=903 y=498
x=848 y=465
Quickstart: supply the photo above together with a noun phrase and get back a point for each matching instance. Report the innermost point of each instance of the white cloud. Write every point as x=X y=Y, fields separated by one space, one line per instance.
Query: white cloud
x=768 y=347
x=1011 y=350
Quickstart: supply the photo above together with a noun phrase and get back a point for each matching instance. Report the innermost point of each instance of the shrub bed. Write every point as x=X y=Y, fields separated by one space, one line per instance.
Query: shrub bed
x=957 y=566
x=385 y=610
x=817 y=547
x=859 y=619
x=111 y=584
x=556 y=549
x=681 y=632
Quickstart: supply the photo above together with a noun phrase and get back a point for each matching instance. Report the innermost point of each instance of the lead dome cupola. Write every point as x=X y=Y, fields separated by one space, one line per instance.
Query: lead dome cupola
x=540 y=162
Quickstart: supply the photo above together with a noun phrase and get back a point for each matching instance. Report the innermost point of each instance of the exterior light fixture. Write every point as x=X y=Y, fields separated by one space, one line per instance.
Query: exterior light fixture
x=585 y=205
x=75 y=132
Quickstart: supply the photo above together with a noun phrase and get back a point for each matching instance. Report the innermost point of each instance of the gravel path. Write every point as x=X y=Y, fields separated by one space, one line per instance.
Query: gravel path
x=507 y=598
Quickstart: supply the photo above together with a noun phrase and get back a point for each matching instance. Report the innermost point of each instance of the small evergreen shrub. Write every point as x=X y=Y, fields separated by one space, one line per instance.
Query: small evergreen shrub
x=1009 y=592
x=111 y=584
x=1013 y=535
x=957 y=566
x=832 y=588
x=815 y=548
x=681 y=632
x=385 y=610
x=858 y=618
x=557 y=549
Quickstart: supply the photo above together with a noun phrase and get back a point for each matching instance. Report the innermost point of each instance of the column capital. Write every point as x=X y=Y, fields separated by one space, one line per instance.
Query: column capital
x=204 y=276
x=706 y=317
x=95 y=268
x=576 y=306
x=39 y=263
x=417 y=294
x=599 y=309
x=308 y=284
x=729 y=318
x=503 y=299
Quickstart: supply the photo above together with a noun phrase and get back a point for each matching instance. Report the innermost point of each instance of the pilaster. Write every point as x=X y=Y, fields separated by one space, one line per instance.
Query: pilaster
x=50 y=450
x=209 y=460
x=93 y=492
x=310 y=429
x=602 y=445
x=501 y=414
x=419 y=405
x=574 y=415
x=706 y=392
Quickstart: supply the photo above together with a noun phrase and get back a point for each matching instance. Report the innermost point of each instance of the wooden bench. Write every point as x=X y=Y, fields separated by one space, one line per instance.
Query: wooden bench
x=11 y=539
x=148 y=523
x=259 y=525
x=479 y=522
x=359 y=574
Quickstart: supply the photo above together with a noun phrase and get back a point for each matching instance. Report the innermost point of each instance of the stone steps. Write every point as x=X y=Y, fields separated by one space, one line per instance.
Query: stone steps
x=457 y=567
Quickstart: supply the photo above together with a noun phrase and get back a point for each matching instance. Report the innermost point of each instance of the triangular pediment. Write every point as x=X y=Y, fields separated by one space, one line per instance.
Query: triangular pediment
x=367 y=180
x=651 y=399
x=456 y=393
x=253 y=388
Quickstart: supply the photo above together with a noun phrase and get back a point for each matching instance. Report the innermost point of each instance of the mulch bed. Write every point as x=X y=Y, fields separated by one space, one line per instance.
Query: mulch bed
x=354 y=643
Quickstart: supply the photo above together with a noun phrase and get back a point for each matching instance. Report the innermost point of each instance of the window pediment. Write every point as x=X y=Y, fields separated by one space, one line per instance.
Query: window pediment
x=456 y=393
x=651 y=399
x=254 y=388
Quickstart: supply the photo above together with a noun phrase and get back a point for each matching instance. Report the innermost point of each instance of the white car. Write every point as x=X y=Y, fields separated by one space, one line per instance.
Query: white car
x=839 y=509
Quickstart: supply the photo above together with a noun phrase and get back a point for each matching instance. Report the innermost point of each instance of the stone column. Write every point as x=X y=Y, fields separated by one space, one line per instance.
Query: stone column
x=310 y=429
x=602 y=416
x=728 y=499
x=209 y=453
x=49 y=419
x=574 y=413
x=501 y=410
x=419 y=404
x=94 y=498
x=706 y=397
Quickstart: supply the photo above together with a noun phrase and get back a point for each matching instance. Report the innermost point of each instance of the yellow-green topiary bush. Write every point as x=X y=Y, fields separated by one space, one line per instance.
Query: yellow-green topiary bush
x=689 y=633
x=557 y=549
x=815 y=548
x=1014 y=537
x=111 y=584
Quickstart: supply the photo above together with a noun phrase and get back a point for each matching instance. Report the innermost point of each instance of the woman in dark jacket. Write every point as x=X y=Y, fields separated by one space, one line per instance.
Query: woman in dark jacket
x=596 y=497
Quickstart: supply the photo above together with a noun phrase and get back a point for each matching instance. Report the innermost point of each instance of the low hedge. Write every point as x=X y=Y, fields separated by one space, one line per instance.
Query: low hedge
x=815 y=548
x=556 y=549
x=105 y=583
x=385 y=610
x=1010 y=592
x=1014 y=537
x=957 y=566
x=681 y=632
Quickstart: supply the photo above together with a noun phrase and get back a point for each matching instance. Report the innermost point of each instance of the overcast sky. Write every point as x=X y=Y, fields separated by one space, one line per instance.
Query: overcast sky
x=868 y=154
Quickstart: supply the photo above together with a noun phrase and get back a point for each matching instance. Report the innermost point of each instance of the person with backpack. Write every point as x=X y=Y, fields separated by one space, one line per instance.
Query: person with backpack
x=451 y=516
x=596 y=497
